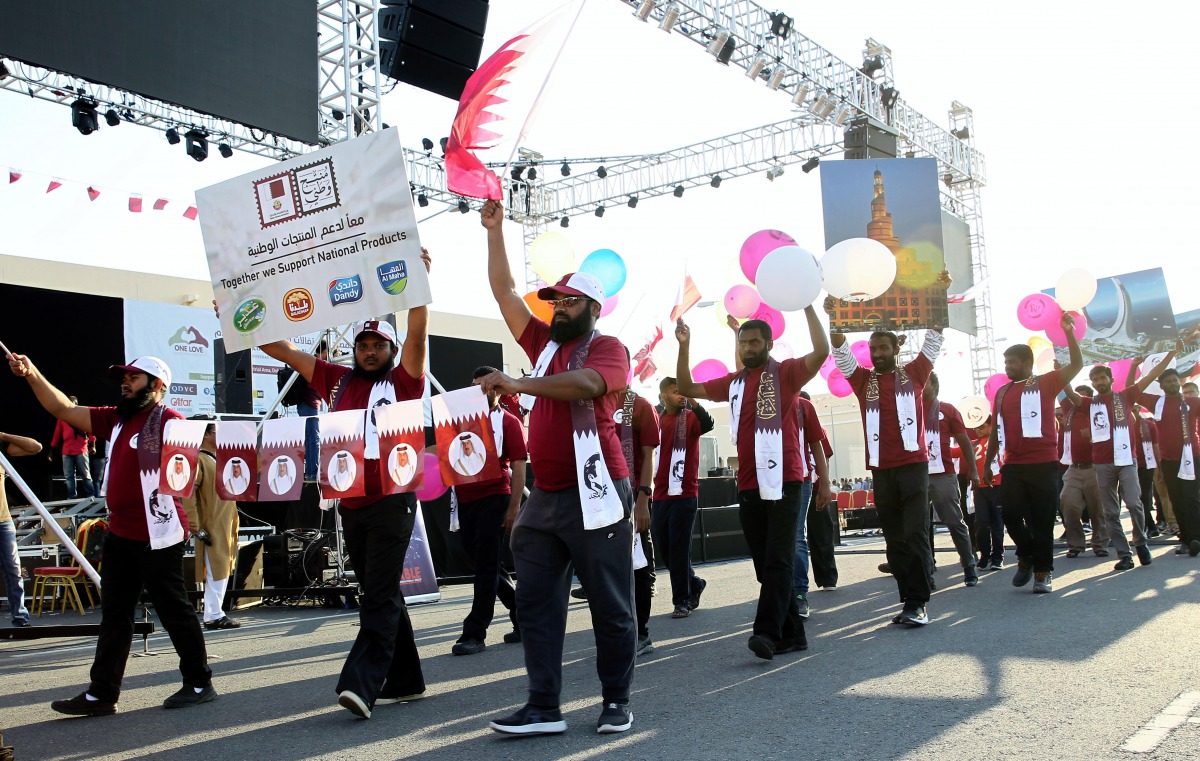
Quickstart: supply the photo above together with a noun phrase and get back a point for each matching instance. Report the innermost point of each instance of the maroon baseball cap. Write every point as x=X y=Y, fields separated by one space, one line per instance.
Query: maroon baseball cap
x=575 y=284
x=377 y=327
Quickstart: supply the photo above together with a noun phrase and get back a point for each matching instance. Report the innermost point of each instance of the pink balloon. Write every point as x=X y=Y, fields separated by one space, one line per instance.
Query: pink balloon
x=741 y=301
x=609 y=304
x=756 y=248
x=772 y=317
x=432 y=487
x=827 y=367
x=709 y=369
x=1037 y=311
x=1059 y=338
x=993 y=385
x=838 y=385
x=862 y=352
x=1120 y=371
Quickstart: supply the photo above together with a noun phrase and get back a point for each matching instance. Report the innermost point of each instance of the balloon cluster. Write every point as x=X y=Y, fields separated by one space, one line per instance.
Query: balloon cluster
x=551 y=256
x=1039 y=311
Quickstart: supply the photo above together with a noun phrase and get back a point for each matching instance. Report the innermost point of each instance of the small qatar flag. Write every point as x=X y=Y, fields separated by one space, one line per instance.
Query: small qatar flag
x=180 y=450
x=341 y=472
x=466 y=444
x=281 y=475
x=135 y=203
x=237 y=461
x=401 y=444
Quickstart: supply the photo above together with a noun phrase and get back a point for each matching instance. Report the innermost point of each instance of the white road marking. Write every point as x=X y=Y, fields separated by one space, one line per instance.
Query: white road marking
x=1156 y=730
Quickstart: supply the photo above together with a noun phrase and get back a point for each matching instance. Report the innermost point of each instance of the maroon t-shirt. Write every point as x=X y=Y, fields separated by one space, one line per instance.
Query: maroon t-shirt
x=691 y=457
x=1019 y=450
x=645 y=434
x=1081 y=432
x=793 y=374
x=814 y=434
x=1102 y=451
x=514 y=450
x=126 y=505
x=892 y=453
x=1170 y=427
x=551 y=442
x=950 y=423
x=357 y=396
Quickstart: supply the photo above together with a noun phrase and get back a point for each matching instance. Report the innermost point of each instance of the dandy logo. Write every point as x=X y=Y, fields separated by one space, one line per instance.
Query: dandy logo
x=393 y=276
x=188 y=340
x=249 y=315
x=345 y=290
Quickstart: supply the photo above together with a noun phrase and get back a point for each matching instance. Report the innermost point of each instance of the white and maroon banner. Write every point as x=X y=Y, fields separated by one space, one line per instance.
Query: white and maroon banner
x=401 y=445
x=342 y=444
x=237 y=461
x=180 y=449
x=466 y=444
x=282 y=474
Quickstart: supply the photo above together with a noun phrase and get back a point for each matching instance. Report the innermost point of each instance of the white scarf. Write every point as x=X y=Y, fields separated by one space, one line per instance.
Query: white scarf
x=1147 y=445
x=162 y=519
x=1187 y=460
x=384 y=391
x=905 y=393
x=678 y=454
x=933 y=437
x=1068 y=417
x=1105 y=429
x=1031 y=409
x=639 y=552
x=768 y=428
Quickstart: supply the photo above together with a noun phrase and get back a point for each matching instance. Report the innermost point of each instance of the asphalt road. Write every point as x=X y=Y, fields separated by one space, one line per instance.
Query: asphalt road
x=999 y=673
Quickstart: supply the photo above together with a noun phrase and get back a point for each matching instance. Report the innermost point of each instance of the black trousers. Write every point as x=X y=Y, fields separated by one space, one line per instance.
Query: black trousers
x=1185 y=499
x=1030 y=494
x=671 y=522
x=964 y=486
x=1146 y=481
x=129 y=566
x=643 y=586
x=820 y=543
x=481 y=529
x=902 y=501
x=770 y=529
x=383 y=660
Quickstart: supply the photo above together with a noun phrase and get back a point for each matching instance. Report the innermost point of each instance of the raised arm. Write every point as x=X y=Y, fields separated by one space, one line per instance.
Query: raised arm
x=20 y=446
x=1150 y=377
x=683 y=367
x=54 y=401
x=412 y=357
x=815 y=358
x=504 y=288
x=294 y=357
x=1076 y=364
x=702 y=417
x=734 y=325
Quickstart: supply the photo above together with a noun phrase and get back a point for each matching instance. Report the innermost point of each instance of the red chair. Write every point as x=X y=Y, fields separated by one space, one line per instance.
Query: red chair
x=843 y=500
x=871 y=497
x=53 y=579
x=858 y=499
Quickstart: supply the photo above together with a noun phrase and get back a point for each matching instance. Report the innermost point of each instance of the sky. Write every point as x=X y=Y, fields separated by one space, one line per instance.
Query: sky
x=1064 y=96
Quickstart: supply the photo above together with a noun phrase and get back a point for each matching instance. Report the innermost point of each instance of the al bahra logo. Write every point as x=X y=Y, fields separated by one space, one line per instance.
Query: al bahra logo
x=298 y=304
x=188 y=340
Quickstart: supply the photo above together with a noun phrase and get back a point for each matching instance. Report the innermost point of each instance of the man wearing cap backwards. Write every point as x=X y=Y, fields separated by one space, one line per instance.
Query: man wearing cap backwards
x=215 y=521
x=139 y=551
x=578 y=512
x=383 y=666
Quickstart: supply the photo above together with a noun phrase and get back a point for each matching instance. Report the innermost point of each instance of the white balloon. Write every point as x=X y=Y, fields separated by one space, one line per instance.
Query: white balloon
x=858 y=269
x=789 y=279
x=551 y=256
x=1075 y=289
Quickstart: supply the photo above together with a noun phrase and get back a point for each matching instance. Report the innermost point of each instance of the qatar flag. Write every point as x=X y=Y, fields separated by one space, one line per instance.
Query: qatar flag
x=342 y=473
x=237 y=461
x=282 y=468
x=180 y=450
x=401 y=429
x=466 y=442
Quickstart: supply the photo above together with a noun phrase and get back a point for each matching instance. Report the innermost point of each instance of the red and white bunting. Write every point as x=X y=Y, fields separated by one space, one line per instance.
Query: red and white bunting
x=343 y=439
x=180 y=451
x=237 y=461
x=281 y=477
x=401 y=445
x=466 y=443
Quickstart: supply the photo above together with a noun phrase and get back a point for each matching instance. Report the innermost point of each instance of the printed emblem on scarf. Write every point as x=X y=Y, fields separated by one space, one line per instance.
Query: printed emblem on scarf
x=765 y=407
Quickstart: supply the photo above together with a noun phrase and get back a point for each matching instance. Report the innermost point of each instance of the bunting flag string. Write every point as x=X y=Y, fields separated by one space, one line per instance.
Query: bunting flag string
x=189 y=210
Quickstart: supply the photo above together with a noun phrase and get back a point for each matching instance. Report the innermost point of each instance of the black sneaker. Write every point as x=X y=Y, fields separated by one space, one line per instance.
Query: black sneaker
x=1124 y=564
x=579 y=593
x=187 y=696
x=21 y=623
x=224 y=622
x=531 y=720
x=1143 y=553
x=791 y=646
x=513 y=637
x=970 y=576
x=1024 y=573
x=81 y=706
x=354 y=704
x=762 y=647
x=615 y=717
x=1182 y=549
x=694 y=600
x=385 y=700
x=885 y=568
x=1194 y=547
x=644 y=646
x=914 y=616
x=468 y=647
x=997 y=565
x=803 y=607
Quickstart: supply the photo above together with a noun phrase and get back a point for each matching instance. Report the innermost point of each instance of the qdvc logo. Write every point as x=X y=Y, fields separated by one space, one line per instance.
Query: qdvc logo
x=393 y=276
x=249 y=315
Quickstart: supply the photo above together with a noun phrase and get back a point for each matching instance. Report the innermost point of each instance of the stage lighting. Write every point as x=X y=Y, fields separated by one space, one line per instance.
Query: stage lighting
x=632 y=202
x=3 y=71
x=781 y=25
x=843 y=115
x=819 y=104
x=83 y=117
x=717 y=45
x=112 y=117
x=565 y=169
x=888 y=96
x=961 y=134
x=810 y=165
x=463 y=206
x=516 y=172
x=670 y=16
x=337 y=115
x=872 y=65
x=600 y=210
x=802 y=91
x=443 y=142
x=128 y=116
x=679 y=191
x=566 y=222
x=602 y=173
x=173 y=136
x=773 y=172
x=196 y=145
x=715 y=181
x=426 y=144
x=226 y=150
x=948 y=179
x=776 y=79
x=644 y=10
x=531 y=174
x=422 y=200
x=726 y=52
x=756 y=67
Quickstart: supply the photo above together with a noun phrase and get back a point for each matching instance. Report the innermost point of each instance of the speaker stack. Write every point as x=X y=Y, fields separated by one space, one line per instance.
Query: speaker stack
x=432 y=44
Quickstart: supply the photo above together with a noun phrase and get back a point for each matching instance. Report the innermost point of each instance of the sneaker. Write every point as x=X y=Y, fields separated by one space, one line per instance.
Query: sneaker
x=1194 y=547
x=681 y=611
x=187 y=696
x=971 y=576
x=513 y=637
x=579 y=593
x=1181 y=549
x=615 y=717
x=983 y=566
x=1023 y=575
x=1143 y=553
x=885 y=568
x=803 y=606
x=644 y=646
x=997 y=565
x=791 y=646
x=1124 y=564
x=829 y=587
x=81 y=706
x=1153 y=533
x=354 y=704
x=694 y=600
x=224 y=622
x=21 y=623
x=392 y=700
x=468 y=647
x=531 y=720
x=1043 y=582
x=914 y=616
x=762 y=647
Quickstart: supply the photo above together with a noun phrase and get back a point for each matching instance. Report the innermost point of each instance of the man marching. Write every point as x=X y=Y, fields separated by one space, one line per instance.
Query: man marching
x=577 y=514
x=942 y=423
x=638 y=429
x=216 y=523
x=1178 y=416
x=144 y=545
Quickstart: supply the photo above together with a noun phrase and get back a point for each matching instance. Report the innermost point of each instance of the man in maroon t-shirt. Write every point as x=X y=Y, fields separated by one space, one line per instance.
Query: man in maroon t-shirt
x=486 y=511
x=639 y=438
x=577 y=461
x=944 y=492
x=383 y=665
x=1024 y=413
x=893 y=412
x=677 y=492
x=763 y=398
x=1079 y=490
x=131 y=561
x=1174 y=430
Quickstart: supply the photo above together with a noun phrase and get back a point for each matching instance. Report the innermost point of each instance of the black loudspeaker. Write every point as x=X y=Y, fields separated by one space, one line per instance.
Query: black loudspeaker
x=247 y=574
x=865 y=139
x=432 y=44
x=235 y=392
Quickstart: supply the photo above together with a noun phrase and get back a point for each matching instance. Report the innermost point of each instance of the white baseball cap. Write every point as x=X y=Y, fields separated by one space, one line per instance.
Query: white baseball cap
x=379 y=328
x=575 y=284
x=152 y=366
